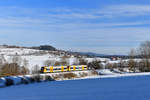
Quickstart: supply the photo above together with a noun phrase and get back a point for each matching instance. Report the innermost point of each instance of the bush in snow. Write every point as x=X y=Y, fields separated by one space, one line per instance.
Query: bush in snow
x=69 y=75
x=25 y=80
x=36 y=78
x=109 y=66
x=132 y=65
x=95 y=65
x=56 y=77
x=29 y=79
x=9 y=82
x=94 y=72
x=48 y=78
x=144 y=65
x=40 y=78
x=62 y=62
x=82 y=61
x=57 y=63
x=82 y=74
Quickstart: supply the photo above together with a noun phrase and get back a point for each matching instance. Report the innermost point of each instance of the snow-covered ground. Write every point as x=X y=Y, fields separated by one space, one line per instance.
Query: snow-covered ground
x=125 y=88
x=113 y=75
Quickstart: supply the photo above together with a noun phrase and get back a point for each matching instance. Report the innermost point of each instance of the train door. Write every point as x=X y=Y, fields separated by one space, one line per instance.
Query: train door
x=68 y=68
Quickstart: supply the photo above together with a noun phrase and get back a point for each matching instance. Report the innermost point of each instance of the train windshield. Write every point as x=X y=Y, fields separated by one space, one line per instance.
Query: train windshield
x=42 y=69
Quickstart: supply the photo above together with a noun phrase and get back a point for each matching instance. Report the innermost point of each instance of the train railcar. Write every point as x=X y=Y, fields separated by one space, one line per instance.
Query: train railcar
x=54 y=69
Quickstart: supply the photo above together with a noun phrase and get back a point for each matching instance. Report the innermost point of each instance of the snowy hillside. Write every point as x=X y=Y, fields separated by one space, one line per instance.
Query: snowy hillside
x=34 y=57
x=38 y=57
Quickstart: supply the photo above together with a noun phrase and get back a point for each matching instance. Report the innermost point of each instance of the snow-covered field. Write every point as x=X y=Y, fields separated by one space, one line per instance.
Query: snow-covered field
x=124 y=88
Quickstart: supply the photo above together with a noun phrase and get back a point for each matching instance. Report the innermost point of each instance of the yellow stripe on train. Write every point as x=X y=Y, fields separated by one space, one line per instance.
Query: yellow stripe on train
x=51 y=69
x=62 y=68
x=74 y=68
x=82 y=67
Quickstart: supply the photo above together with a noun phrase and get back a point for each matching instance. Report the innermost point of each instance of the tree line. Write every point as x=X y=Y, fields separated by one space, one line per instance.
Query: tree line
x=134 y=64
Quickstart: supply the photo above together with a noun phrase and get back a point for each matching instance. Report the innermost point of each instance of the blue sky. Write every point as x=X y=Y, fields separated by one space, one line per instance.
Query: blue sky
x=101 y=26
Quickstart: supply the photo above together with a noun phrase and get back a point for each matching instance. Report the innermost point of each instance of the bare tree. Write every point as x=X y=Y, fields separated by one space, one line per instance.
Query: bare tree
x=25 y=62
x=132 y=53
x=24 y=70
x=10 y=69
x=132 y=64
x=35 y=69
x=17 y=60
x=2 y=59
x=144 y=49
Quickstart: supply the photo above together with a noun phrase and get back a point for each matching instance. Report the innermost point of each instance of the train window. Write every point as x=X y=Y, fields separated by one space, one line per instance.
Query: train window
x=71 y=68
x=57 y=68
x=48 y=69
